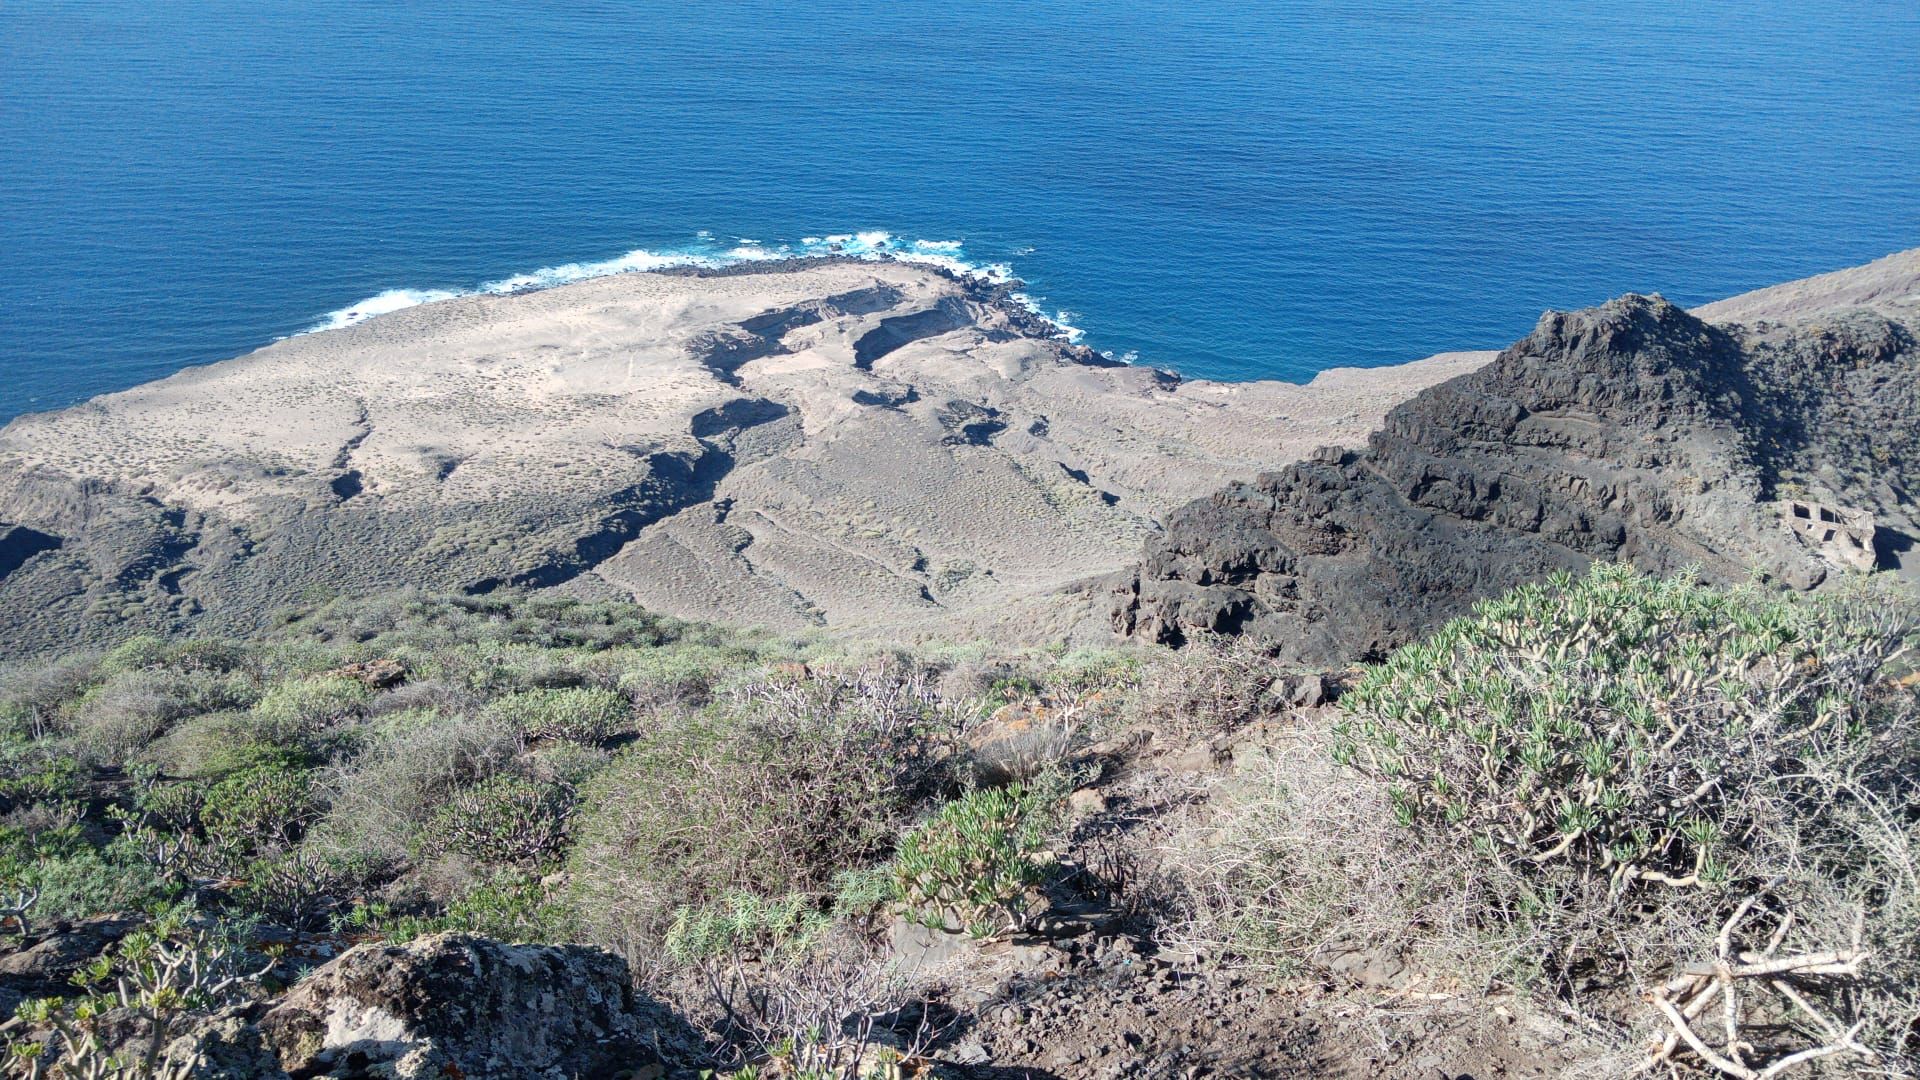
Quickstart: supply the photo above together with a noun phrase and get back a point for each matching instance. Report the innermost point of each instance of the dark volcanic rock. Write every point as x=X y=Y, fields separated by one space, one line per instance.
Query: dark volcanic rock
x=1632 y=431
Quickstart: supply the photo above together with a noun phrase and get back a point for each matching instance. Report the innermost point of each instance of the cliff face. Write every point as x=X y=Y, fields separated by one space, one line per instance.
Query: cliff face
x=1633 y=431
x=835 y=443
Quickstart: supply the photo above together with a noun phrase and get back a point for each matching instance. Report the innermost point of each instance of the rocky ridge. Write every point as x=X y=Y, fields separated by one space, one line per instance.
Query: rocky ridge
x=1776 y=433
x=832 y=442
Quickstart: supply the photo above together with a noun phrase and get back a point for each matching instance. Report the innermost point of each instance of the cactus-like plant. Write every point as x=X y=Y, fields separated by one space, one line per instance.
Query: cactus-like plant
x=1619 y=724
x=153 y=981
x=504 y=819
x=972 y=866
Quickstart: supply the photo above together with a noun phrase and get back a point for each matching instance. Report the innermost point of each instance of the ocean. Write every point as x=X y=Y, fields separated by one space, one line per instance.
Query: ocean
x=1231 y=190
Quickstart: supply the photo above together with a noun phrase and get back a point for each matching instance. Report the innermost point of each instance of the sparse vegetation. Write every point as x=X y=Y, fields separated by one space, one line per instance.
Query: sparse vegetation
x=772 y=790
x=1576 y=789
x=1593 y=790
x=1212 y=685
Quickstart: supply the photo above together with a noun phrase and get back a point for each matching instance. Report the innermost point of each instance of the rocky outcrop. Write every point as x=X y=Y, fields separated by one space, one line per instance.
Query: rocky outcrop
x=461 y=1005
x=1634 y=431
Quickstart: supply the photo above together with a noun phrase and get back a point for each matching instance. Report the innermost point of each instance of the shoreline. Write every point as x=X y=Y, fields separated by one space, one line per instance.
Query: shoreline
x=993 y=284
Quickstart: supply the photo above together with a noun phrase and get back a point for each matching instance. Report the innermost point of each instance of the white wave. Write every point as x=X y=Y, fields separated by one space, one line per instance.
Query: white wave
x=1064 y=320
x=637 y=260
x=380 y=304
x=1059 y=319
x=705 y=251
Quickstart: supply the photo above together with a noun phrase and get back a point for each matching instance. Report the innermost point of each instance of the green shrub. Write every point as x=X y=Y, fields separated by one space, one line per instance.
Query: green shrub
x=503 y=819
x=569 y=765
x=1626 y=727
x=264 y=808
x=42 y=780
x=137 y=653
x=218 y=744
x=972 y=866
x=678 y=675
x=1574 y=790
x=585 y=715
x=171 y=806
x=492 y=668
x=509 y=905
x=298 y=709
x=146 y=651
x=300 y=887
x=70 y=877
x=1084 y=671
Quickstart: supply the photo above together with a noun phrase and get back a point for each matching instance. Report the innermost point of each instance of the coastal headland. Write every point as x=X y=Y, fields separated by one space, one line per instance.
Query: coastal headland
x=847 y=443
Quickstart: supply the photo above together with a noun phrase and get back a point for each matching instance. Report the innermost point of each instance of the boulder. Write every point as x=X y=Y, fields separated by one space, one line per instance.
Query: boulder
x=47 y=967
x=378 y=674
x=467 y=1006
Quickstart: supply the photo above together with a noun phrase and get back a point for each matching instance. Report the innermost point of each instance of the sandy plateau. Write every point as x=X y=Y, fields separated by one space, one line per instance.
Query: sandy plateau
x=862 y=445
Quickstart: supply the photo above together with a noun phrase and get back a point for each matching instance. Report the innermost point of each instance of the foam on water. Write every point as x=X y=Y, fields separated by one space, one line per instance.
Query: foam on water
x=707 y=251
x=380 y=304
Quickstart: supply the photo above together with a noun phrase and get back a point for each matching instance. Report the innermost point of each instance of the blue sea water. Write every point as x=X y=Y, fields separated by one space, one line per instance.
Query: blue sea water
x=1236 y=190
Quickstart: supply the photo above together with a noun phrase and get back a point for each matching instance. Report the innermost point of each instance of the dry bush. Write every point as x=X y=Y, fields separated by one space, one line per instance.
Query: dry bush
x=1019 y=753
x=836 y=1012
x=408 y=765
x=1301 y=863
x=118 y=717
x=1212 y=684
x=773 y=792
x=427 y=695
x=32 y=692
